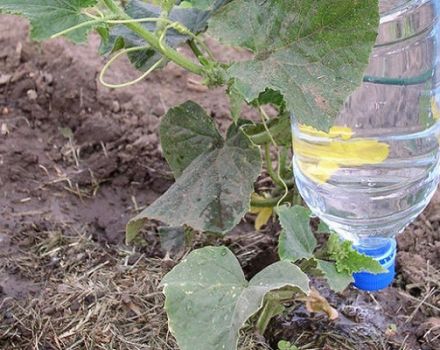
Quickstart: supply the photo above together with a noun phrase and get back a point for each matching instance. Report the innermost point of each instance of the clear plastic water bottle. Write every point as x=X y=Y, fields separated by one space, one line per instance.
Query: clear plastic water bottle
x=377 y=168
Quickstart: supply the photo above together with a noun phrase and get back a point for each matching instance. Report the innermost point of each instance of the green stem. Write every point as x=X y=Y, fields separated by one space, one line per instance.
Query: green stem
x=271 y=202
x=195 y=49
x=264 y=137
x=279 y=182
x=151 y=38
x=283 y=163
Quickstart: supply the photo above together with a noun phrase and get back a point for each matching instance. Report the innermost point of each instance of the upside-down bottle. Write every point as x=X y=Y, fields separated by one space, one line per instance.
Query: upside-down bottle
x=377 y=168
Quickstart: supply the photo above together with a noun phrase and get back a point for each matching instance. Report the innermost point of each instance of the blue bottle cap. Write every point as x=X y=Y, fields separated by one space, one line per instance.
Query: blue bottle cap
x=385 y=254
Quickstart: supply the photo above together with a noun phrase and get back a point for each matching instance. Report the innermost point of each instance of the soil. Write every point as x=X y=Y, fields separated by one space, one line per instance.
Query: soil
x=77 y=160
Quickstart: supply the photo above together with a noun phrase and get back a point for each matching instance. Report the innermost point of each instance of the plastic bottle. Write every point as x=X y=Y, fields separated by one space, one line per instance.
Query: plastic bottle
x=379 y=165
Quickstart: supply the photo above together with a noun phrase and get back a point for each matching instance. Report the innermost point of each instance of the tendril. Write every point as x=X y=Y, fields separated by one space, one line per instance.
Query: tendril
x=132 y=82
x=78 y=26
x=276 y=177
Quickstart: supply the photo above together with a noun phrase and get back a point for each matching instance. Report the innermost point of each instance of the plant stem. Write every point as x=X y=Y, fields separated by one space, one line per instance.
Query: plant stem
x=152 y=39
x=264 y=137
x=279 y=182
x=271 y=201
x=195 y=49
x=283 y=163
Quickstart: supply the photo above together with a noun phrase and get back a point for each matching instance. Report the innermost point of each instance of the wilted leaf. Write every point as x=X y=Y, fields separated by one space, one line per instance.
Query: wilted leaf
x=213 y=193
x=263 y=213
x=315 y=302
x=313 y=52
x=49 y=17
x=208 y=292
x=296 y=240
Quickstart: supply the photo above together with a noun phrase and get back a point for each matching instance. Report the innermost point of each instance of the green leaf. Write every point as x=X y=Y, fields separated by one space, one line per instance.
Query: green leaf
x=186 y=132
x=214 y=192
x=349 y=260
x=279 y=129
x=313 y=52
x=272 y=97
x=338 y=281
x=207 y=4
x=296 y=240
x=208 y=299
x=236 y=103
x=121 y=37
x=49 y=17
x=286 y=345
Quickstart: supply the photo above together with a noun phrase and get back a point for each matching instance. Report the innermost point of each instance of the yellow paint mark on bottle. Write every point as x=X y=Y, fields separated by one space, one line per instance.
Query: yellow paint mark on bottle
x=319 y=161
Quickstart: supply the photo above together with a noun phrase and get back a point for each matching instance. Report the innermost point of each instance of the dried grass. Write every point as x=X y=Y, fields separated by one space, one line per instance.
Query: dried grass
x=91 y=297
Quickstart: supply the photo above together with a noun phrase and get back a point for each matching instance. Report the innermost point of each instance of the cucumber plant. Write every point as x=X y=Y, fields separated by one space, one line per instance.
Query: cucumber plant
x=307 y=57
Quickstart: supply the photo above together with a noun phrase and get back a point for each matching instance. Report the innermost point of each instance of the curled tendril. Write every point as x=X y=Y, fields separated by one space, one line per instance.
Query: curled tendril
x=131 y=82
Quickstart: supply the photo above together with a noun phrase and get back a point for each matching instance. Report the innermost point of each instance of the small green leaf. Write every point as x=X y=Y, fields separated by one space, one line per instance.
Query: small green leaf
x=208 y=292
x=271 y=97
x=279 y=129
x=186 y=132
x=296 y=240
x=338 y=281
x=349 y=260
x=286 y=345
x=212 y=194
x=49 y=17
x=313 y=52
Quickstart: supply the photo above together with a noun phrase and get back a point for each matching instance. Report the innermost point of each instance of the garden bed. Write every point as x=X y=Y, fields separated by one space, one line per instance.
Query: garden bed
x=78 y=160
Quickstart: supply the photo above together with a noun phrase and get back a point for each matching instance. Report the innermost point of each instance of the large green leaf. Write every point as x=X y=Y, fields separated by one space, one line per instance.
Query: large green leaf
x=296 y=240
x=214 y=192
x=337 y=281
x=313 y=52
x=208 y=299
x=186 y=132
x=49 y=17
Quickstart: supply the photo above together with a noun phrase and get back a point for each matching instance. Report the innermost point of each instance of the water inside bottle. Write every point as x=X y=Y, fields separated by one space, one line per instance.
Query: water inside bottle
x=377 y=168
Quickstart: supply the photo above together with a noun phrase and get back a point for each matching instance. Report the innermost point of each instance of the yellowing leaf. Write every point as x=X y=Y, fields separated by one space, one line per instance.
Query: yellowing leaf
x=263 y=213
x=319 y=161
x=315 y=302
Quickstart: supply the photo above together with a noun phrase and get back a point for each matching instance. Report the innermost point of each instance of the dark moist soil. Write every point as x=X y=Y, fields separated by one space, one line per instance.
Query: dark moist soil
x=77 y=160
